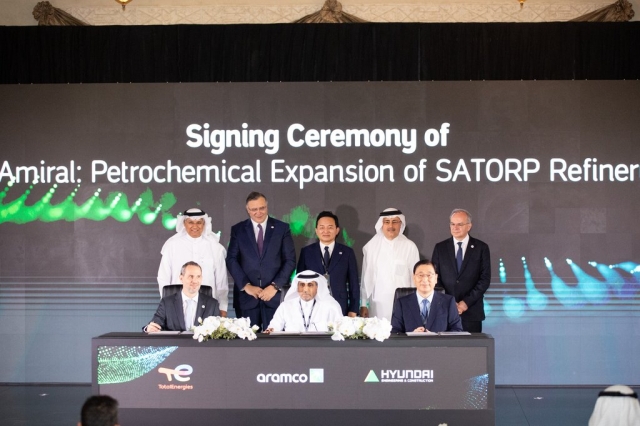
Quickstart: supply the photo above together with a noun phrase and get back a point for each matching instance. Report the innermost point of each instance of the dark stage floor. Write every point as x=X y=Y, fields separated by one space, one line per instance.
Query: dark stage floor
x=53 y=405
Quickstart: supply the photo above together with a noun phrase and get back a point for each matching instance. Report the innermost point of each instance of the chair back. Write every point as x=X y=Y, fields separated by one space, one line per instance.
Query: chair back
x=283 y=292
x=401 y=292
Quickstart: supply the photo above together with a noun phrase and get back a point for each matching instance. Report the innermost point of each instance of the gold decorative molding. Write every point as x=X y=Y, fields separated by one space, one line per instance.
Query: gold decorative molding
x=533 y=11
x=331 y=13
x=48 y=15
x=620 y=11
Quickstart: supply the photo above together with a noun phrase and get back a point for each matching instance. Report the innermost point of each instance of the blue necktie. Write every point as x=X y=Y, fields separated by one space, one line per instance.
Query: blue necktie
x=260 y=239
x=459 y=257
x=425 y=311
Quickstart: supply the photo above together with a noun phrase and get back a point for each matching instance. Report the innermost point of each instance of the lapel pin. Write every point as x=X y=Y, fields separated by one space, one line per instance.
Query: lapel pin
x=272 y=226
x=471 y=246
x=339 y=252
x=202 y=306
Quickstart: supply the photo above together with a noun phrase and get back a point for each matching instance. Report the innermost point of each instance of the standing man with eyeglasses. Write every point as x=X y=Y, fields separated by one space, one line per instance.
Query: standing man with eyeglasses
x=426 y=310
x=387 y=264
x=261 y=258
x=463 y=264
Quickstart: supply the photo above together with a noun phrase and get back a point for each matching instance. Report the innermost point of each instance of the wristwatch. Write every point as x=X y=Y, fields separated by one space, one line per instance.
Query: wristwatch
x=276 y=286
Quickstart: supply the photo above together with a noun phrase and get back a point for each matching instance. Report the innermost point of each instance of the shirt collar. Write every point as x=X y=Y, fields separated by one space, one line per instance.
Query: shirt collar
x=464 y=242
x=307 y=304
x=255 y=224
x=184 y=297
x=420 y=298
x=331 y=246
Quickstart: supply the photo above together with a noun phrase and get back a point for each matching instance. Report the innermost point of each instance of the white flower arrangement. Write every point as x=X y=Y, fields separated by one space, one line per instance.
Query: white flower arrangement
x=224 y=328
x=360 y=328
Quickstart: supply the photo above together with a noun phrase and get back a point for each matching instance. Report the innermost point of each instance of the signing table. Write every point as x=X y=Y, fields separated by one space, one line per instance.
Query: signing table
x=294 y=380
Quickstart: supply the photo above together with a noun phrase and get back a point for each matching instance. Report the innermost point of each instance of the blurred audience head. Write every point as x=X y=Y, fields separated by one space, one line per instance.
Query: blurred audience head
x=99 y=410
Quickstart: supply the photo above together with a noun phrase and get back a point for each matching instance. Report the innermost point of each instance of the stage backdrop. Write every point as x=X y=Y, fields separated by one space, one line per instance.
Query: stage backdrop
x=92 y=177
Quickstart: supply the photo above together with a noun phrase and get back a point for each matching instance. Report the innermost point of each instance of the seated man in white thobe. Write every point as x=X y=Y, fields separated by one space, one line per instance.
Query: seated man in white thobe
x=195 y=241
x=387 y=264
x=307 y=307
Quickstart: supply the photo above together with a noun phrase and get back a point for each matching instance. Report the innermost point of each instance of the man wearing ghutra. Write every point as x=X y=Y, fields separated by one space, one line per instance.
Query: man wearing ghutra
x=616 y=406
x=307 y=306
x=387 y=264
x=195 y=241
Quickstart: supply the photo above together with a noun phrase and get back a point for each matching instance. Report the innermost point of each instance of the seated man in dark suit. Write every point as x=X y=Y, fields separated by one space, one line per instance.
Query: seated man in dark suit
x=180 y=311
x=425 y=310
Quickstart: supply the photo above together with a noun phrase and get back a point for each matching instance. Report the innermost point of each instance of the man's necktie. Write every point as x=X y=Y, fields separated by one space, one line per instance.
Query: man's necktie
x=425 y=311
x=327 y=258
x=459 y=257
x=260 y=239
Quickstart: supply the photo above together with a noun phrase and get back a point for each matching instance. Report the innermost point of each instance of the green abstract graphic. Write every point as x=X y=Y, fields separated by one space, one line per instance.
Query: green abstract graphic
x=120 y=364
x=115 y=205
x=300 y=222
x=303 y=223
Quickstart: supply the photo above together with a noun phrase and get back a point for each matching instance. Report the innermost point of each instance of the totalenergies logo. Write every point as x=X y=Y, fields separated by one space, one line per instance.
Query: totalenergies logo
x=180 y=373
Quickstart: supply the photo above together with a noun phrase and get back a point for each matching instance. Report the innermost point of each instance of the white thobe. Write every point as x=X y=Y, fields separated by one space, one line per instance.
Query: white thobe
x=207 y=252
x=288 y=316
x=386 y=266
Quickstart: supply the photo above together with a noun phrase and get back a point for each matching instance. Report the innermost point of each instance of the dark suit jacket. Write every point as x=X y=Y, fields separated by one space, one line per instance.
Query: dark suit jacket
x=170 y=313
x=276 y=264
x=474 y=277
x=443 y=314
x=342 y=270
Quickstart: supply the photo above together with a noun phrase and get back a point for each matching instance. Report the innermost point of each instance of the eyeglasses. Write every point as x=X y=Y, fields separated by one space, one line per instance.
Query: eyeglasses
x=257 y=209
x=392 y=222
x=423 y=276
x=458 y=225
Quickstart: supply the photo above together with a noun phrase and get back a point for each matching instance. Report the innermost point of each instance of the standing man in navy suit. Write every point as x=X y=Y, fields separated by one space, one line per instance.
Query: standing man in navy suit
x=425 y=310
x=335 y=261
x=463 y=264
x=261 y=259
